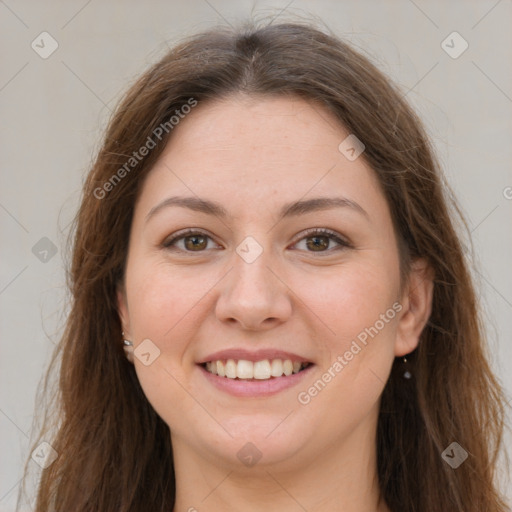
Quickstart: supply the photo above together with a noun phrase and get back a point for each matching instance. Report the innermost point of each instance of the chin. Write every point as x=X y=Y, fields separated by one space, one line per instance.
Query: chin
x=260 y=440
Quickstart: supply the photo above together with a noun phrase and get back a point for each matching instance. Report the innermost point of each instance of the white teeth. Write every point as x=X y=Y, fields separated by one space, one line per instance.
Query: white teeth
x=276 y=368
x=260 y=370
x=245 y=369
x=230 y=369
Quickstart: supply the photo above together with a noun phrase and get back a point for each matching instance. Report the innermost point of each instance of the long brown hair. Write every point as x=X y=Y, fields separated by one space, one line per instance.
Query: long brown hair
x=114 y=451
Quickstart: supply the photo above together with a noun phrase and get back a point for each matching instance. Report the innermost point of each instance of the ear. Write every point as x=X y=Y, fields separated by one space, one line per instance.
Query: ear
x=122 y=309
x=416 y=304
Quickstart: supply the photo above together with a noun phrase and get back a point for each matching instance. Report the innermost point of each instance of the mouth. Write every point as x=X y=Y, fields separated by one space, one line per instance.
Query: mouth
x=260 y=374
x=262 y=370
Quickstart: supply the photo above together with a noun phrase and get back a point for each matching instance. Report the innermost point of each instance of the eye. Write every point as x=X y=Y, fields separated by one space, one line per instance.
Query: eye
x=193 y=241
x=319 y=240
x=316 y=240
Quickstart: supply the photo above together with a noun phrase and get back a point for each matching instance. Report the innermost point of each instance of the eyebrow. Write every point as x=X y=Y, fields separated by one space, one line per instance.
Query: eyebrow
x=288 y=210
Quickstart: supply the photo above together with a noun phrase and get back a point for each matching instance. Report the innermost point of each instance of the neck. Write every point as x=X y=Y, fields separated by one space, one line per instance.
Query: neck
x=343 y=477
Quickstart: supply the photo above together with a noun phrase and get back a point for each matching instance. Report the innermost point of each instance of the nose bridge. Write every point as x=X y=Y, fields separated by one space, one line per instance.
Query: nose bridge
x=252 y=294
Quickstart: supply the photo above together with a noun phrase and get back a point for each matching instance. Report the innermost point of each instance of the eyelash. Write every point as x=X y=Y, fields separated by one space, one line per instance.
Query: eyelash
x=309 y=233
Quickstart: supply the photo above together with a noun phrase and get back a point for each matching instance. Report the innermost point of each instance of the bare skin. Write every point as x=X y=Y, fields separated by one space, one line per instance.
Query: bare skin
x=306 y=294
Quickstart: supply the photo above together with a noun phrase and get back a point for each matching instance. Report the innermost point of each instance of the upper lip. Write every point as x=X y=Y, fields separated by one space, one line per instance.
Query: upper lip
x=252 y=355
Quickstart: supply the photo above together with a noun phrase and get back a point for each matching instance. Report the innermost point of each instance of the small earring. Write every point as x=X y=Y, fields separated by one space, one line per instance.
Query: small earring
x=407 y=373
x=128 y=350
x=127 y=343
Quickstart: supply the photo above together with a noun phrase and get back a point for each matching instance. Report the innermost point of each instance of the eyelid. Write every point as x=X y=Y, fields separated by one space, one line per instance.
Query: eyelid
x=323 y=231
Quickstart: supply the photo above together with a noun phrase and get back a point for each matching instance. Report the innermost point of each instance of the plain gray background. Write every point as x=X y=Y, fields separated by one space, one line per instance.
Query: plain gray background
x=54 y=110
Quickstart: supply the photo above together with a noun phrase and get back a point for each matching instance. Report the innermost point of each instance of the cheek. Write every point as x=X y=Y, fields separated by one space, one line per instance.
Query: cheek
x=164 y=305
x=358 y=307
x=163 y=301
x=347 y=300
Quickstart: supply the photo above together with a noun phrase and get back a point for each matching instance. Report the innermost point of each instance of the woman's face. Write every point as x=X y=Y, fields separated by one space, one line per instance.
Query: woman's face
x=257 y=285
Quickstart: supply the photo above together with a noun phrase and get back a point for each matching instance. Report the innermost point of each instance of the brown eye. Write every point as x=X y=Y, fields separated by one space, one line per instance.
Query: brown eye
x=317 y=243
x=322 y=241
x=189 y=241
x=195 y=242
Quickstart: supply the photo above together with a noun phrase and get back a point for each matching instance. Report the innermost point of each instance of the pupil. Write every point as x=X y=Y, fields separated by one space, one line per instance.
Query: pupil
x=195 y=244
x=320 y=242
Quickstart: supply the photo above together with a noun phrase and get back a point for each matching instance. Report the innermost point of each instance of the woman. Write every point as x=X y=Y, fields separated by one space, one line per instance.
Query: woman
x=266 y=234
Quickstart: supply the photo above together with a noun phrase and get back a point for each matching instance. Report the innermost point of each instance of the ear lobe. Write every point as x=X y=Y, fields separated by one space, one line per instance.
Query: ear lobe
x=417 y=307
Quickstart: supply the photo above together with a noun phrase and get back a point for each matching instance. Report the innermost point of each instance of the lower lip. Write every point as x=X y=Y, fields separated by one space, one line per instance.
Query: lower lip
x=255 y=388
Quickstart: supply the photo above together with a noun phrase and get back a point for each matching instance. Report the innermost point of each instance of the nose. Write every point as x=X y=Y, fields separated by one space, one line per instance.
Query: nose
x=253 y=295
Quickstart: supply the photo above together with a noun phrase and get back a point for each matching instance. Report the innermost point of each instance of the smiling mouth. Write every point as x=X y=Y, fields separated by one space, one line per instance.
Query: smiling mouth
x=265 y=369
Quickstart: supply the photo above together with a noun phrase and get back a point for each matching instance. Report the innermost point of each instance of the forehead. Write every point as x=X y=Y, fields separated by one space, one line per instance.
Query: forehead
x=256 y=151
x=285 y=125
